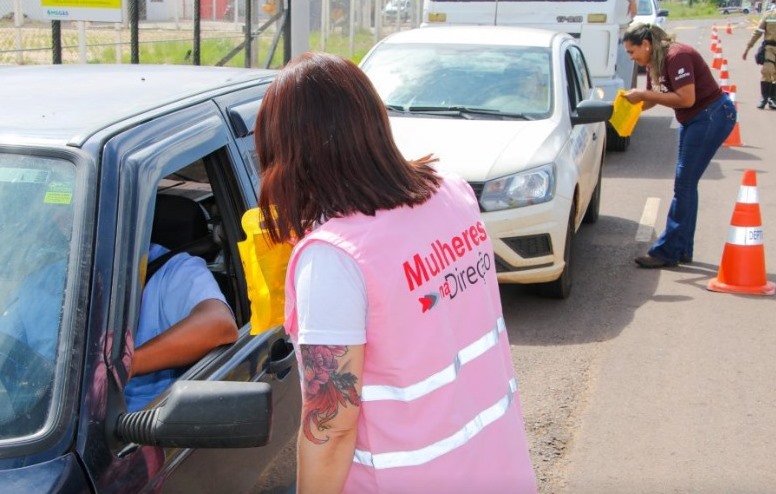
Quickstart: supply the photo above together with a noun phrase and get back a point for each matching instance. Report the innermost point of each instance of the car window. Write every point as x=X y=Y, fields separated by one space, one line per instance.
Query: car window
x=645 y=7
x=203 y=221
x=193 y=228
x=36 y=224
x=580 y=67
x=498 y=78
x=572 y=80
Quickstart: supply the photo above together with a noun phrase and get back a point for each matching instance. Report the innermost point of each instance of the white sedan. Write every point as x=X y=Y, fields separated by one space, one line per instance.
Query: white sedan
x=512 y=110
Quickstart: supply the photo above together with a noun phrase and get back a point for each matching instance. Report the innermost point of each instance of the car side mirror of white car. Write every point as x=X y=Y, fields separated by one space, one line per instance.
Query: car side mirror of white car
x=591 y=111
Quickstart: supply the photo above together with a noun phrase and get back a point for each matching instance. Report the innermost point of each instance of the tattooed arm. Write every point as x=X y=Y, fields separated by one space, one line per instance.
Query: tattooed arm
x=331 y=403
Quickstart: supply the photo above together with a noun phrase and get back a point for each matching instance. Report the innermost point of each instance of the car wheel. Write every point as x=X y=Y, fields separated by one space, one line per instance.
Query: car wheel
x=594 y=208
x=561 y=288
x=746 y=11
x=615 y=142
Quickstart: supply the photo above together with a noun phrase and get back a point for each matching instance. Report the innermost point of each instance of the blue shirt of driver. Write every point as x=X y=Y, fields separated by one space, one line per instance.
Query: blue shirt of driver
x=169 y=296
x=33 y=316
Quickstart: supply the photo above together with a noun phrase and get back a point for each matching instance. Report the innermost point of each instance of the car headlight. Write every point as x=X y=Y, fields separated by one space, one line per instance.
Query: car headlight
x=534 y=186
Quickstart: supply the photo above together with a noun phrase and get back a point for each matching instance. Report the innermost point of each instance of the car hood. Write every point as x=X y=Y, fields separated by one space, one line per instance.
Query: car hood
x=479 y=150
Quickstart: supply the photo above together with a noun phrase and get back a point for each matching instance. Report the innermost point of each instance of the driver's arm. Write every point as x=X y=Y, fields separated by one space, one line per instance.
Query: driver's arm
x=209 y=325
x=183 y=316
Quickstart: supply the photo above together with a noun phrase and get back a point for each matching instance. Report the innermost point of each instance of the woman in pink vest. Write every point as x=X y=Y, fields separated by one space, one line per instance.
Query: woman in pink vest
x=391 y=298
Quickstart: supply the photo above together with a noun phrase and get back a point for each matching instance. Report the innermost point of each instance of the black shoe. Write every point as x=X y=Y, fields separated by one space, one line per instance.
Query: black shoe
x=685 y=260
x=762 y=103
x=651 y=262
x=771 y=104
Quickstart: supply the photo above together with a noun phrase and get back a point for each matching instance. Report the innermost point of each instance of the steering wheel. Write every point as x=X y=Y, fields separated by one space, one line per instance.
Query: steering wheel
x=26 y=379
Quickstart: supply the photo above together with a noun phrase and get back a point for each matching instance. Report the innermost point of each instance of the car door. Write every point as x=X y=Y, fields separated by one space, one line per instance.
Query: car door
x=190 y=153
x=585 y=139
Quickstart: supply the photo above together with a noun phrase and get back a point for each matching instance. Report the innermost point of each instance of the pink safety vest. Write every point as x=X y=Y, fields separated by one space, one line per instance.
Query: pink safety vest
x=440 y=409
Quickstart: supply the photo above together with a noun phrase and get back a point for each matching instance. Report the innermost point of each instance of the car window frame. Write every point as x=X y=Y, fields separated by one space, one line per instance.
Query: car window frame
x=142 y=167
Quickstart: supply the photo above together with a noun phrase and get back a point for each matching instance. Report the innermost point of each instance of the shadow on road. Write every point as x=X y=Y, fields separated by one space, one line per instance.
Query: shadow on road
x=608 y=288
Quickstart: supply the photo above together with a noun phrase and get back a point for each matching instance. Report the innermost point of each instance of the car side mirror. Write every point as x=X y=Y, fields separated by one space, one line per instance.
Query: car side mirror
x=203 y=414
x=591 y=111
x=662 y=13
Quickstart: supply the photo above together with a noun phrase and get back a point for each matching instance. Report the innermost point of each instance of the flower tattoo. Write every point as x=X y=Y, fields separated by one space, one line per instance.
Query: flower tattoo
x=324 y=388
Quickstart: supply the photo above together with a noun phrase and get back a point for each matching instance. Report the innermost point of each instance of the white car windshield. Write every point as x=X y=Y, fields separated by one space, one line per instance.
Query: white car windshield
x=645 y=8
x=497 y=79
x=36 y=224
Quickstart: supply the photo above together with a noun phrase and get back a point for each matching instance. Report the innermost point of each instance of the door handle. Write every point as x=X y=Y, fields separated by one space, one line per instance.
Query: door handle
x=281 y=364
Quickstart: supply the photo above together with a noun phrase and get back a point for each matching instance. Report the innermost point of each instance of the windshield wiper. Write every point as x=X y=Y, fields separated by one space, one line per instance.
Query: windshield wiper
x=467 y=112
x=396 y=108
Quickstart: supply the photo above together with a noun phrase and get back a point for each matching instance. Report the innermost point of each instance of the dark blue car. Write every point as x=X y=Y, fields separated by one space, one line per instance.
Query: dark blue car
x=97 y=162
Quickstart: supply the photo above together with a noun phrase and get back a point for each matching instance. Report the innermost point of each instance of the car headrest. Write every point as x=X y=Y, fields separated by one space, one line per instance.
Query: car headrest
x=178 y=221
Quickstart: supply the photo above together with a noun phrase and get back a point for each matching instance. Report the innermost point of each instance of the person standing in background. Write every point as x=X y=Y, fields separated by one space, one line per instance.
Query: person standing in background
x=392 y=300
x=680 y=79
x=766 y=29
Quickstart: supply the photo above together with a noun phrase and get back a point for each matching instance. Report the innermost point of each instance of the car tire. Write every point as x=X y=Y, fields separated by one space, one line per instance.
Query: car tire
x=746 y=11
x=561 y=288
x=594 y=207
x=614 y=142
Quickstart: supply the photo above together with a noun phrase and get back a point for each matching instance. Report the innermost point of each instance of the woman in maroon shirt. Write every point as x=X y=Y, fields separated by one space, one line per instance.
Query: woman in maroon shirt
x=679 y=78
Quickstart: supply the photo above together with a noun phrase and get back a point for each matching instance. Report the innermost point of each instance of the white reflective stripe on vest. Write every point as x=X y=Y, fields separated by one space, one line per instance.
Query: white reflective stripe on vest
x=748 y=195
x=423 y=455
x=375 y=392
x=745 y=235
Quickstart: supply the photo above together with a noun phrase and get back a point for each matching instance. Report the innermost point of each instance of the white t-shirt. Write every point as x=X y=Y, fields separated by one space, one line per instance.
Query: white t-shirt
x=330 y=297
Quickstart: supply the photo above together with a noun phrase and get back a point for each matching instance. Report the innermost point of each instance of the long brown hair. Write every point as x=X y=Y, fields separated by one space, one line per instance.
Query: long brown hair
x=660 y=41
x=326 y=149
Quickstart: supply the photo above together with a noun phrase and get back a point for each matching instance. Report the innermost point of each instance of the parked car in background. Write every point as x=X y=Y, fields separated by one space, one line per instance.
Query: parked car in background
x=735 y=7
x=513 y=111
x=96 y=162
x=397 y=7
x=649 y=12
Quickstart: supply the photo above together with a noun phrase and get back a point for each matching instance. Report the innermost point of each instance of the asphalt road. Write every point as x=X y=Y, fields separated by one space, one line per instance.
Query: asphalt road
x=643 y=381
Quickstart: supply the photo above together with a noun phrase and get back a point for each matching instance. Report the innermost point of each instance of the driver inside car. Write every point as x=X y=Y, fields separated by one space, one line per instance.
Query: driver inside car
x=183 y=314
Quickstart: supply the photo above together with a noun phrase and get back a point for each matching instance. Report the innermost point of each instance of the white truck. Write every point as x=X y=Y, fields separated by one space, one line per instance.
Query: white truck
x=596 y=24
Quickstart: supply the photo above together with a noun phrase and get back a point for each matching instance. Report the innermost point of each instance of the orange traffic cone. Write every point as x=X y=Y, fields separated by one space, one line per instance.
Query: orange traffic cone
x=717 y=61
x=734 y=139
x=713 y=40
x=742 y=269
x=724 y=77
x=729 y=29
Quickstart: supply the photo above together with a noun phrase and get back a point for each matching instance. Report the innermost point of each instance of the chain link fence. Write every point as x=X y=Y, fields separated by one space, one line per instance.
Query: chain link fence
x=167 y=31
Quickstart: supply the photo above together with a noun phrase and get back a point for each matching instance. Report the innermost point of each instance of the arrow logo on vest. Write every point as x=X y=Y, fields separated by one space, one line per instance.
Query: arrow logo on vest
x=428 y=301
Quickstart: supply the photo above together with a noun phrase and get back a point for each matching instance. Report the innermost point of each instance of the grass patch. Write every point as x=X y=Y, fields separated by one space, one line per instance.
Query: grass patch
x=698 y=10
x=213 y=50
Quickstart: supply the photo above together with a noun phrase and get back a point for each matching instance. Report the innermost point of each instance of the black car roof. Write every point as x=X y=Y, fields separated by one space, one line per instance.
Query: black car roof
x=67 y=103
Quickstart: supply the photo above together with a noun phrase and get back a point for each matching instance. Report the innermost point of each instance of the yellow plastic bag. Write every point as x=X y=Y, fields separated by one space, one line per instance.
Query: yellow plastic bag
x=265 y=273
x=625 y=114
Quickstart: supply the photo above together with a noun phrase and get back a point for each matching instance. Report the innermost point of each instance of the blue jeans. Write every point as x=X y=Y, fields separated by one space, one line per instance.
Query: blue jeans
x=699 y=140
